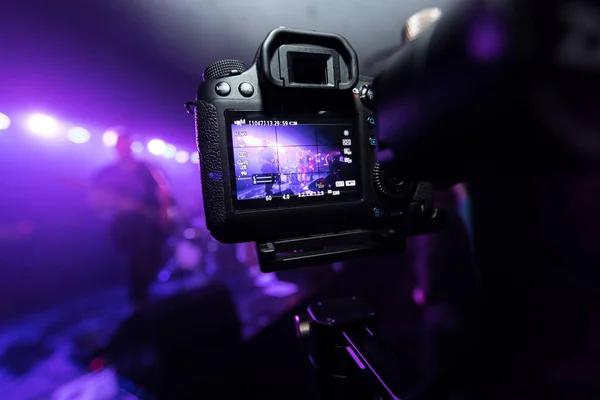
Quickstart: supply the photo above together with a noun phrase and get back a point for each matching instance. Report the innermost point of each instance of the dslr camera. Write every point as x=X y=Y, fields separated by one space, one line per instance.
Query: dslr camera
x=287 y=156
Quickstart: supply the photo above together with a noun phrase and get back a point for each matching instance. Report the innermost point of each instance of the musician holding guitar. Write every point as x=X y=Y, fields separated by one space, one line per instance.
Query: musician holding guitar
x=135 y=195
x=310 y=164
x=268 y=159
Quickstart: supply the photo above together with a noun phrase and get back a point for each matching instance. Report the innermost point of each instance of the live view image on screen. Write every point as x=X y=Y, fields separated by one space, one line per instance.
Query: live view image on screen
x=293 y=158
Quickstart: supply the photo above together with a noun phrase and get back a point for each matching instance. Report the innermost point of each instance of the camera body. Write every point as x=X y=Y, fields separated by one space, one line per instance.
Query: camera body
x=287 y=146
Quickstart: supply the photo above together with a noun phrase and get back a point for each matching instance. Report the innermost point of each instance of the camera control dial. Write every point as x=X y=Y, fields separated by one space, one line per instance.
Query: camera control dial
x=367 y=96
x=223 y=68
x=388 y=183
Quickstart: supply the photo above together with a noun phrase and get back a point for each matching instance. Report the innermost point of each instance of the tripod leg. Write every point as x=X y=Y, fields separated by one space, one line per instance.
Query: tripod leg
x=342 y=388
x=332 y=386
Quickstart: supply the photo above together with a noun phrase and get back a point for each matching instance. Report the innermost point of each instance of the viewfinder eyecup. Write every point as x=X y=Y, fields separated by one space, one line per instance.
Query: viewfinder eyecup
x=321 y=61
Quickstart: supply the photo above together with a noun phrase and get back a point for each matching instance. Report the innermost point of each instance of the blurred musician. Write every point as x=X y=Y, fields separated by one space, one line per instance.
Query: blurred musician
x=268 y=160
x=310 y=164
x=136 y=197
x=302 y=171
x=329 y=159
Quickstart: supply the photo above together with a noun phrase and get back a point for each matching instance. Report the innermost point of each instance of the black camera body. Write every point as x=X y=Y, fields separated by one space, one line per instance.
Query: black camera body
x=287 y=147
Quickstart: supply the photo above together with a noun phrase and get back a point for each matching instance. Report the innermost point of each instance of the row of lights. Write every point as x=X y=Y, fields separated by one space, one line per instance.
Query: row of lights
x=46 y=126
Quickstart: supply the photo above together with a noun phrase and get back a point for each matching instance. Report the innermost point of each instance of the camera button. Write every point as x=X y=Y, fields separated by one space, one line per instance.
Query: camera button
x=377 y=213
x=223 y=88
x=367 y=96
x=372 y=142
x=371 y=122
x=246 y=89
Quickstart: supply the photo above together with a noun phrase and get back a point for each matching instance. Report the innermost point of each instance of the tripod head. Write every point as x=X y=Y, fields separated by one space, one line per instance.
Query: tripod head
x=350 y=360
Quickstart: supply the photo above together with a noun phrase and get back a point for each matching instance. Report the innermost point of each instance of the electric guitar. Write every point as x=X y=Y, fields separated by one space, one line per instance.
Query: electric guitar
x=14 y=233
x=108 y=203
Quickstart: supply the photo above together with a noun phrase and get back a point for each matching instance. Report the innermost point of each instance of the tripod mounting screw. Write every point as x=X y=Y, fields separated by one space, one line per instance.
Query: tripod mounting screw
x=302 y=326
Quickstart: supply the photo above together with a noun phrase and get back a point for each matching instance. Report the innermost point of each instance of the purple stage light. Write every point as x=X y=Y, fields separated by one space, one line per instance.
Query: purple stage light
x=164 y=276
x=189 y=233
x=42 y=125
x=195 y=157
x=182 y=156
x=137 y=147
x=110 y=138
x=487 y=39
x=156 y=147
x=4 y=121
x=78 y=135
x=170 y=151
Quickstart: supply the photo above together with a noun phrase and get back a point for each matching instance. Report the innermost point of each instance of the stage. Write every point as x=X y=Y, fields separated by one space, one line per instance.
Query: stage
x=47 y=355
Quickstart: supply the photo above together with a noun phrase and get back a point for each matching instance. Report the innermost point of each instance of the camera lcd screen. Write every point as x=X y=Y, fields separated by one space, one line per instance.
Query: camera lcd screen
x=292 y=160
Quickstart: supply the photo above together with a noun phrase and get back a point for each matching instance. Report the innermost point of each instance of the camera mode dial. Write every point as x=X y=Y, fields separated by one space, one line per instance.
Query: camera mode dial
x=222 y=69
x=389 y=184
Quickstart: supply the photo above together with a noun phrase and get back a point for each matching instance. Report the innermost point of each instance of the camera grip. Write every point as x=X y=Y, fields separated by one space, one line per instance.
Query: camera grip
x=208 y=137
